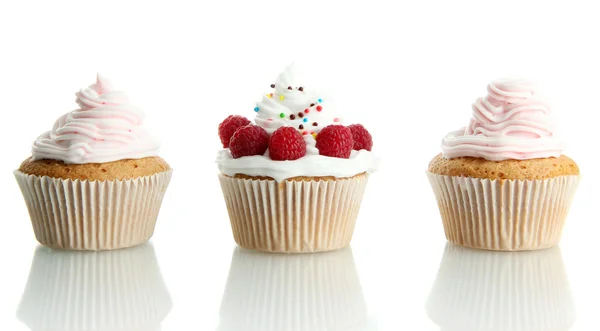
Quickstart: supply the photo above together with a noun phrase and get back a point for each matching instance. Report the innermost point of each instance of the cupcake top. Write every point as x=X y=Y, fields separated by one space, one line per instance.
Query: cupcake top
x=296 y=133
x=511 y=122
x=106 y=127
x=297 y=106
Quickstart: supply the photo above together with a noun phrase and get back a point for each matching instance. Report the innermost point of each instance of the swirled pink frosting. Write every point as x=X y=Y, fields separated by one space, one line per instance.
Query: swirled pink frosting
x=511 y=122
x=105 y=128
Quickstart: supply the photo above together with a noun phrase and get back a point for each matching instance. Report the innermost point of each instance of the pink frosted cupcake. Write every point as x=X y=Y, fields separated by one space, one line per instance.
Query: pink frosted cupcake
x=95 y=181
x=502 y=183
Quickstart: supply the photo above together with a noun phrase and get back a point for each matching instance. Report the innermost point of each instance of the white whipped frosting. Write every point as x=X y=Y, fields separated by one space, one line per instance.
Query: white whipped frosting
x=310 y=165
x=295 y=101
x=301 y=109
x=105 y=128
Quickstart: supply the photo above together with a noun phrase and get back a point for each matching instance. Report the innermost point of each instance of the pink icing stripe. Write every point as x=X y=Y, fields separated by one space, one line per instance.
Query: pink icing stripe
x=105 y=128
x=511 y=122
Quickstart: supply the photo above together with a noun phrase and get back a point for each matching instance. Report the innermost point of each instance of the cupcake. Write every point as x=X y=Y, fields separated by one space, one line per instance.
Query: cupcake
x=120 y=290
x=501 y=291
x=302 y=292
x=293 y=181
x=95 y=182
x=502 y=183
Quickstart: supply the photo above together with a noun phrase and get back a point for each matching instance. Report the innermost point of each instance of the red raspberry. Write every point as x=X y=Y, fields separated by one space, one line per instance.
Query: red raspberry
x=228 y=127
x=362 y=137
x=336 y=141
x=286 y=143
x=249 y=140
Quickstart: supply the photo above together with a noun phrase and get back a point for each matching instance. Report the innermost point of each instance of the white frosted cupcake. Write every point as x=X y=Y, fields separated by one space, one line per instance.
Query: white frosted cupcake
x=95 y=181
x=293 y=182
x=304 y=292
x=502 y=183
x=120 y=290
x=501 y=291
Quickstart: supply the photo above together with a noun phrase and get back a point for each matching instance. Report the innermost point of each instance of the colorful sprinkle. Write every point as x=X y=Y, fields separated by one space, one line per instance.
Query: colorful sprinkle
x=312 y=104
x=289 y=87
x=314 y=135
x=319 y=108
x=301 y=89
x=256 y=109
x=305 y=120
x=336 y=119
x=281 y=97
x=282 y=115
x=315 y=124
x=300 y=114
x=307 y=110
x=272 y=85
x=269 y=95
x=305 y=133
x=320 y=100
x=301 y=127
x=270 y=120
x=292 y=116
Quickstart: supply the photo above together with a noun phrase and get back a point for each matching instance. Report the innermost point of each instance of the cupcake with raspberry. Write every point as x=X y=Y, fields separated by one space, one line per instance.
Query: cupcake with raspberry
x=95 y=181
x=502 y=183
x=293 y=181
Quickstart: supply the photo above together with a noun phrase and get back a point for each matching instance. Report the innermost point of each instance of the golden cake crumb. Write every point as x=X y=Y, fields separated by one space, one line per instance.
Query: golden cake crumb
x=117 y=170
x=296 y=179
x=508 y=169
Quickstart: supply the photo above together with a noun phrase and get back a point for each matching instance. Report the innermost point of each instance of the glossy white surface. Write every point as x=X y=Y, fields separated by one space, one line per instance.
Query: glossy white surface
x=407 y=70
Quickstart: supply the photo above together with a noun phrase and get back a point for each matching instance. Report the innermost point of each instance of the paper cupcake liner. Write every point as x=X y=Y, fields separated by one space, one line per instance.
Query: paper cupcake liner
x=504 y=291
x=109 y=291
x=293 y=216
x=302 y=292
x=93 y=215
x=507 y=215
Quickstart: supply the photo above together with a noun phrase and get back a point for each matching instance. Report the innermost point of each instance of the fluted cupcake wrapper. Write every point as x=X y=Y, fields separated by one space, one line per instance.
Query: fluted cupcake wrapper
x=93 y=215
x=302 y=292
x=120 y=290
x=504 y=291
x=293 y=216
x=507 y=215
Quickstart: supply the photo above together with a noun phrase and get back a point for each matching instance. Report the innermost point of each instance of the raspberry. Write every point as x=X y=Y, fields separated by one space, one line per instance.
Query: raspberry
x=362 y=137
x=228 y=127
x=286 y=143
x=249 y=140
x=336 y=141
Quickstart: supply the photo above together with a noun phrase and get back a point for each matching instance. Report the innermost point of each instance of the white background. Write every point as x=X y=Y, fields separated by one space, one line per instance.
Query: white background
x=407 y=70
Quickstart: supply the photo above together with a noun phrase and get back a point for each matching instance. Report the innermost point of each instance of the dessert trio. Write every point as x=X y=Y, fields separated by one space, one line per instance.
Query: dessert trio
x=293 y=178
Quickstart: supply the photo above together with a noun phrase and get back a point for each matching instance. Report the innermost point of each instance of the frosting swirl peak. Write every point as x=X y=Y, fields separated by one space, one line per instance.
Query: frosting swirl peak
x=511 y=122
x=105 y=128
x=293 y=105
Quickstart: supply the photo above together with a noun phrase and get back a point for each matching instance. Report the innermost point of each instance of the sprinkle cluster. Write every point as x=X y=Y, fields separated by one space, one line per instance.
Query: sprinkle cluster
x=301 y=127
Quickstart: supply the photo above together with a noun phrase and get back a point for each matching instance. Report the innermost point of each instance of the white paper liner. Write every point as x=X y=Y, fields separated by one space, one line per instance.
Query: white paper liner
x=507 y=215
x=93 y=215
x=301 y=292
x=501 y=291
x=293 y=216
x=114 y=290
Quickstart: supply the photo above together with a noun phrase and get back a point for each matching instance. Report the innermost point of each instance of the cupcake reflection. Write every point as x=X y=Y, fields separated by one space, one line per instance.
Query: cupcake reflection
x=272 y=292
x=110 y=290
x=508 y=291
